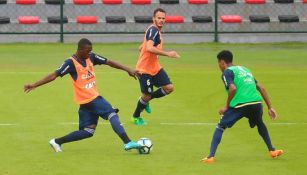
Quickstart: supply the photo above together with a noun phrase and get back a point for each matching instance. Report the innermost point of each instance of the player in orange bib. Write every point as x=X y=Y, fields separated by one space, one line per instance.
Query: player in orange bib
x=152 y=74
x=80 y=66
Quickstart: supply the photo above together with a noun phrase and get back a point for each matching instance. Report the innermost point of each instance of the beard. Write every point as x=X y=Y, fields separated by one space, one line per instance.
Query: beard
x=158 y=25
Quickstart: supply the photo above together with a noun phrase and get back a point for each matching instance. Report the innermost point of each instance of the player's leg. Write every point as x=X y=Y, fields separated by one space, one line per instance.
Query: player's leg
x=146 y=88
x=254 y=113
x=87 y=126
x=231 y=116
x=103 y=108
x=165 y=85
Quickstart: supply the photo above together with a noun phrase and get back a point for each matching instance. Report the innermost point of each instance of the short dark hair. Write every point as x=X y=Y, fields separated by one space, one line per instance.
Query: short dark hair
x=225 y=55
x=83 y=42
x=158 y=10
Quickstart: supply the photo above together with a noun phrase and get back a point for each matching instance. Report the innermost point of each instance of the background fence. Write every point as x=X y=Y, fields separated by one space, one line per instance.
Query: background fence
x=132 y=16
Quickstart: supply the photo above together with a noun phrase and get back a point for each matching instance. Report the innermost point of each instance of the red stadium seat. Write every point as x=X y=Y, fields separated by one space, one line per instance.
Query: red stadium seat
x=255 y=1
x=112 y=1
x=28 y=19
x=87 y=19
x=198 y=1
x=305 y=1
x=174 y=19
x=26 y=2
x=231 y=18
x=83 y=2
x=140 y=2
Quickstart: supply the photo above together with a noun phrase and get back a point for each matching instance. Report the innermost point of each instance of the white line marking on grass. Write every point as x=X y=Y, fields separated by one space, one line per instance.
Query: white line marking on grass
x=23 y=72
x=191 y=124
x=8 y=124
x=288 y=123
x=68 y=123
x=199 y=124
x=38 y=72
x=76 y=123
x=176 y=124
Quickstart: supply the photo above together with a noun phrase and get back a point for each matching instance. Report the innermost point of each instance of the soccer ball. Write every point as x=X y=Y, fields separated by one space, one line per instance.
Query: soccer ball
x=147 y=145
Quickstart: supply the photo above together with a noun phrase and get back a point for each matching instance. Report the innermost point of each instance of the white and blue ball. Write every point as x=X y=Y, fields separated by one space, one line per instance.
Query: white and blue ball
x=146 y=145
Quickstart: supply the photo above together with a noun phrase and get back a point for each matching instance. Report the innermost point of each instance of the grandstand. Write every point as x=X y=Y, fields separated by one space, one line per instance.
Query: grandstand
x=191 y=20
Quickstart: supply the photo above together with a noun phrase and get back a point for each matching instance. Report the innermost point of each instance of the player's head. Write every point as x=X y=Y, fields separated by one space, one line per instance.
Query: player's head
x=158 y=17
x=84 y=48
x=224 y=59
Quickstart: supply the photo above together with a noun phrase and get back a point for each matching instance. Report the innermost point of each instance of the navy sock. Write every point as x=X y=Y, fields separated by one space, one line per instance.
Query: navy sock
x=119 y=129
x=158 y=93
x=139 y=108
x=263 y=131
x=216 y=139
x=74 y=136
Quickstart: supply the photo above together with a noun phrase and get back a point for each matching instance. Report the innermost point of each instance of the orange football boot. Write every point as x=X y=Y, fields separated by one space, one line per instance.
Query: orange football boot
x=276 y=153
x=208 y=160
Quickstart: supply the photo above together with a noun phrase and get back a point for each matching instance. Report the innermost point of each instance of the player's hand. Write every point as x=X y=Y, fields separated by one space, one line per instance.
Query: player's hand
x=173 y=54
x=27 y=88
x=133 y=73
x=222 y=110
x=272 y=113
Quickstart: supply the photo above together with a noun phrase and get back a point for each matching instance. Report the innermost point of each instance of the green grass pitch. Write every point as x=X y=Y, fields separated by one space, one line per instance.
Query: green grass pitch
x=180 y=126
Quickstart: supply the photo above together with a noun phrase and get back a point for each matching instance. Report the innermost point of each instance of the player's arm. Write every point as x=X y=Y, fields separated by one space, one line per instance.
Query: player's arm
x=131 y=72
x=231 y=93
x=228 y=78
x=45 y=80
x=65 y=68
x=151 y=48
x=265 y=96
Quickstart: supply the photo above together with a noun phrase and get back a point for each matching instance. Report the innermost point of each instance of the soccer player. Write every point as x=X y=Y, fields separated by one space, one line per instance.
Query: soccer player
x=152 y=74
x=243 y=100
x=92 y=105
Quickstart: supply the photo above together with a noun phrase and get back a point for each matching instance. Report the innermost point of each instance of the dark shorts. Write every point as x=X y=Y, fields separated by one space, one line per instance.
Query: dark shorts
x=148 y=81
x=89 y=113
x=252 y=112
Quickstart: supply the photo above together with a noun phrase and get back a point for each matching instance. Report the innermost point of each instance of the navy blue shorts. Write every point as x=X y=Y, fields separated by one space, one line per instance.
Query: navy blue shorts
x=89 y=113
x=252 y=112
x=148 y=81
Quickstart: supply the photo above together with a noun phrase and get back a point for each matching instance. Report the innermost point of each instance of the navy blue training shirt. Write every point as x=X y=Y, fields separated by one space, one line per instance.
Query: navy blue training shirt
x=68 y=66
x=228 y=77
x=154 y=35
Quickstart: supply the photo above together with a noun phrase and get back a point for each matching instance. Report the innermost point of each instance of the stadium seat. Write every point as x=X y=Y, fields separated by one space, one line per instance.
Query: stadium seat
x=4 y=20
x=284 y=1
x=83 y=2
x=169 y=1
x=3 y=1
x=227 y=1
x=115 y=19
x=112 y=2
x=28 y=19
x=198 y=1
x=174 y=19
x=231 y=18
x=140 y=2
x=202 y=19
x=143 y=19
x=86 y=19
x=259 y=18
x=255 y=1
x=305 y=1
x=288 y=18
x=54 y=2
x=25 y=2
x=57 y=19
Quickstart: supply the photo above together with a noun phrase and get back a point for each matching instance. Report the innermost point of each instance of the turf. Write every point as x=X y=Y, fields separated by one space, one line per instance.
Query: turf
x=180 y=126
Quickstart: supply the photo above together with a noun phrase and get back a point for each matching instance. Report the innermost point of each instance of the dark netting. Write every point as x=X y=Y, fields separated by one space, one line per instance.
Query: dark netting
x=125 y=16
